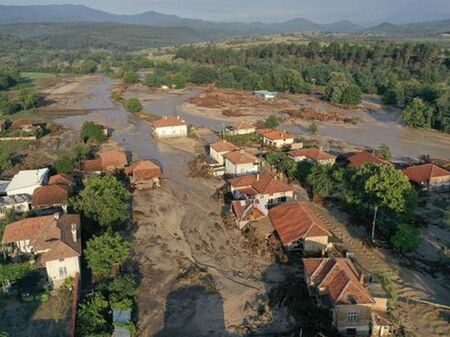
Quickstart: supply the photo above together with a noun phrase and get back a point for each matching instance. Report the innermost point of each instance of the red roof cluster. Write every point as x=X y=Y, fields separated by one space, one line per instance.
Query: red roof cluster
x=424 y=173
x=338 y=278
x=297 y=221
x=312 y=154
x=364 y=157
x=263 y=183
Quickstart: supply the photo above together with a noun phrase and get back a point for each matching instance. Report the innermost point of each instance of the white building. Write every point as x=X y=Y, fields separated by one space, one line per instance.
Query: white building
x=277 y=138
x=219 y=149
x=53 y=240
x=268 y=95
x=25 y=182
x=18 y=204
x=240 y=128
x=241 y=163
x=170 y=127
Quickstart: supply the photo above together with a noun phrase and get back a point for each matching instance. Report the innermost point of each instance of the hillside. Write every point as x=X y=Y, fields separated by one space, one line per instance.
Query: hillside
x=411 y=29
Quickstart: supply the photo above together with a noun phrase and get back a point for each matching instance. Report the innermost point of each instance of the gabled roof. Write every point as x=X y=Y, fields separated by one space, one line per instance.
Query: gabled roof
x=27 y=178
x=143 y=169
x=263 y=183
x=338 y=278
x=48 y=235
x=116 y=158
x=296 y=221
x=364 y=157
x=242 y=125
x=21 y=123
x=241 y=157
x=61 y=179
x=424 y=173
x=243 y=209
x=312 y=154
x=168 y=121
x=223 y=146
x=50 y=195
x=277 y=135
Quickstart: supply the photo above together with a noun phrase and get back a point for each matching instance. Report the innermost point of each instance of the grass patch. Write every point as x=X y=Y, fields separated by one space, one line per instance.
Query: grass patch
x=14 y=146
x=244 y=140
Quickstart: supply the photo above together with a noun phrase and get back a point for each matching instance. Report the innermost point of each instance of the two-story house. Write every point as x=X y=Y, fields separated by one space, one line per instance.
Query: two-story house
x=338 y=286
x=219 y=149
x=299 y=227
x=54 y=240
x=239 y=163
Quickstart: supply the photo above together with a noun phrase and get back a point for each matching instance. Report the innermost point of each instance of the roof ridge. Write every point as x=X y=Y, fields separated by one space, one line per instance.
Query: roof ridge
x=322 y=261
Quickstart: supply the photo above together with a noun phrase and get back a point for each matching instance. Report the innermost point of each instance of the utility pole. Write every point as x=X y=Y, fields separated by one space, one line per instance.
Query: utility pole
x=374 y=222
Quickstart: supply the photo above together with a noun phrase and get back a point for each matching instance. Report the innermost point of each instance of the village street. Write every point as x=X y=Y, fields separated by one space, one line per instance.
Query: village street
x=180 y=224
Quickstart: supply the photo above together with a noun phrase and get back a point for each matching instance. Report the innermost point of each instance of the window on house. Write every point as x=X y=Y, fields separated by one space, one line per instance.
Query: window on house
x=352 y=316
x=62 y=272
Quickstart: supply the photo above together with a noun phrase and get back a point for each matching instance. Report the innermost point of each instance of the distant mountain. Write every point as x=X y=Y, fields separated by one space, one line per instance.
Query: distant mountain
x=79 y=13
x=411 y=29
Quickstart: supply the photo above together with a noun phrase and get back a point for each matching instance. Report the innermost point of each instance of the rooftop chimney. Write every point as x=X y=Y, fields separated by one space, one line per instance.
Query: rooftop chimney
x=73 y=229
x=257 y=177
x=361 y=278
x=57 y=216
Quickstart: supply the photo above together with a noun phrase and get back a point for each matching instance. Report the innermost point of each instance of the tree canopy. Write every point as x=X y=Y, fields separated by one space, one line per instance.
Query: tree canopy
x=93 y=133
x=134 y=105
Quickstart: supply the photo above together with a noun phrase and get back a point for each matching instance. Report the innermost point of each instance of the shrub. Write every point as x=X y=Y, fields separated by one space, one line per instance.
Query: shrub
x=134 y=105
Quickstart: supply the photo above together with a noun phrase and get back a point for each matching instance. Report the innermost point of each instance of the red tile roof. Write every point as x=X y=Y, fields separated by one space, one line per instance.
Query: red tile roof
x=364 y=157
x=223 y=146
x=246 y=210
x=311 y=153
x=241 y=157
x=61 y=179
x=107 y=158
x=296 y=221
x=277 y=135
x=21 y=123
x=338 y=278
x=424 y=173
x=168 y=121
x=263 y=183
x=143 y=170
x=53 y=237
x=50 y=195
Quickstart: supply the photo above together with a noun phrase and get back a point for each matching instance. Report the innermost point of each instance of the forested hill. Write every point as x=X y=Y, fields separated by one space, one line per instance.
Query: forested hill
x=412 y=29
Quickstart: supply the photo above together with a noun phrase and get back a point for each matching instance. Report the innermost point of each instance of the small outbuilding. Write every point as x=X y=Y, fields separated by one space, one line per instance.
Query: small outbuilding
x=267 y=95
x=168 y=127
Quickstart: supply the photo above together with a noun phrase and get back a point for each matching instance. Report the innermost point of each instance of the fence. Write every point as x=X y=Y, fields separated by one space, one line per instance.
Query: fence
x=73 y=320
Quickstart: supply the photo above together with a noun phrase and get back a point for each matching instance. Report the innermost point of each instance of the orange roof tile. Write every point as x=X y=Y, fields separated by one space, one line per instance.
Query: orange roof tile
x=223 y=146
x=311 y=153
x=424 y=173
x=338 y=278
x=296 y=221
x=61 y=179
x=246 y=210
x=21 y=123
x=107 y=158
x=241 y=157
x=277 y=135
x=364 y=157
x=263 y=183
x=53 y=237
x=168 y=121
x=50 y=195
x=143 y=170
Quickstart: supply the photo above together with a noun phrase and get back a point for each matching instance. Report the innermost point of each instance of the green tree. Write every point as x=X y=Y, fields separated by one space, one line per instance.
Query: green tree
x=321 y=180
x=28 y=99
x=91 y=316
x=130 y=77
x=5 y=161
x=122 y=291
x=406 y=238
x=102 y=252
x=65 y=164
x=133 y=105
x=313 y=128
x=272 y=122
x=13 y=271
x=93 y=133
x=417 y=114
x=86 y=67
x=340 y=89
x=384 y=152
x=104 y=200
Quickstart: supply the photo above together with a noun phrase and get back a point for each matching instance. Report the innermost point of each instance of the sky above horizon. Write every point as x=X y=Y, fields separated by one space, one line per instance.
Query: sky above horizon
x=323 y=11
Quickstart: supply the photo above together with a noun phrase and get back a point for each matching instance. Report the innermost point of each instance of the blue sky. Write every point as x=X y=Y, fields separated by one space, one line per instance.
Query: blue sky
x=362 y=11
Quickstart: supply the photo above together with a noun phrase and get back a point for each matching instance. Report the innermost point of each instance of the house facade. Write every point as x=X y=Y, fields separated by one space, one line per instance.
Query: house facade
x=25 y=182
x=239 y=163
x=264 y=187
x=277 y=139
x=429 y=177
x=312 y=155
x=53 y=240
x=339 y=287
x=219 y=149
x=168 y=127
x=300 y=228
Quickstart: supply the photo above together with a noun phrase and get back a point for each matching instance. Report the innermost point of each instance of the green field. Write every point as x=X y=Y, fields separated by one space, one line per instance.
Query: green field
x=31 y=79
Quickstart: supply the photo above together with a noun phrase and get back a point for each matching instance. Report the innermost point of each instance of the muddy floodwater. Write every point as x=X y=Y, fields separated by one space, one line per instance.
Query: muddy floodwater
x=380 y=127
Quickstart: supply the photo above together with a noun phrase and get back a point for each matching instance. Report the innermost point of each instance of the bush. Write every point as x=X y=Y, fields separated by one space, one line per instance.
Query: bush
x=134 y=105
x=313 y=128
x=130 y=77
x=65 y=164
x=272 y=122
x=406 y=239
x=93 y=133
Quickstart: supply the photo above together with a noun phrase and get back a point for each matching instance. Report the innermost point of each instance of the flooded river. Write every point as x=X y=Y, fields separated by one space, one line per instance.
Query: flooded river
x=135 y=135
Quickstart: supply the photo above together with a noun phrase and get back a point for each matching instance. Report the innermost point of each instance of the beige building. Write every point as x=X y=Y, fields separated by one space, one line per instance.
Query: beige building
x=312 y=155
x=238 y=163
x=429 y=177
x=53 y=240
x=219 y=149
x=168 y=127
x=277 y=138
x=299 y=227
x=338 y=286
x=240 y=128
